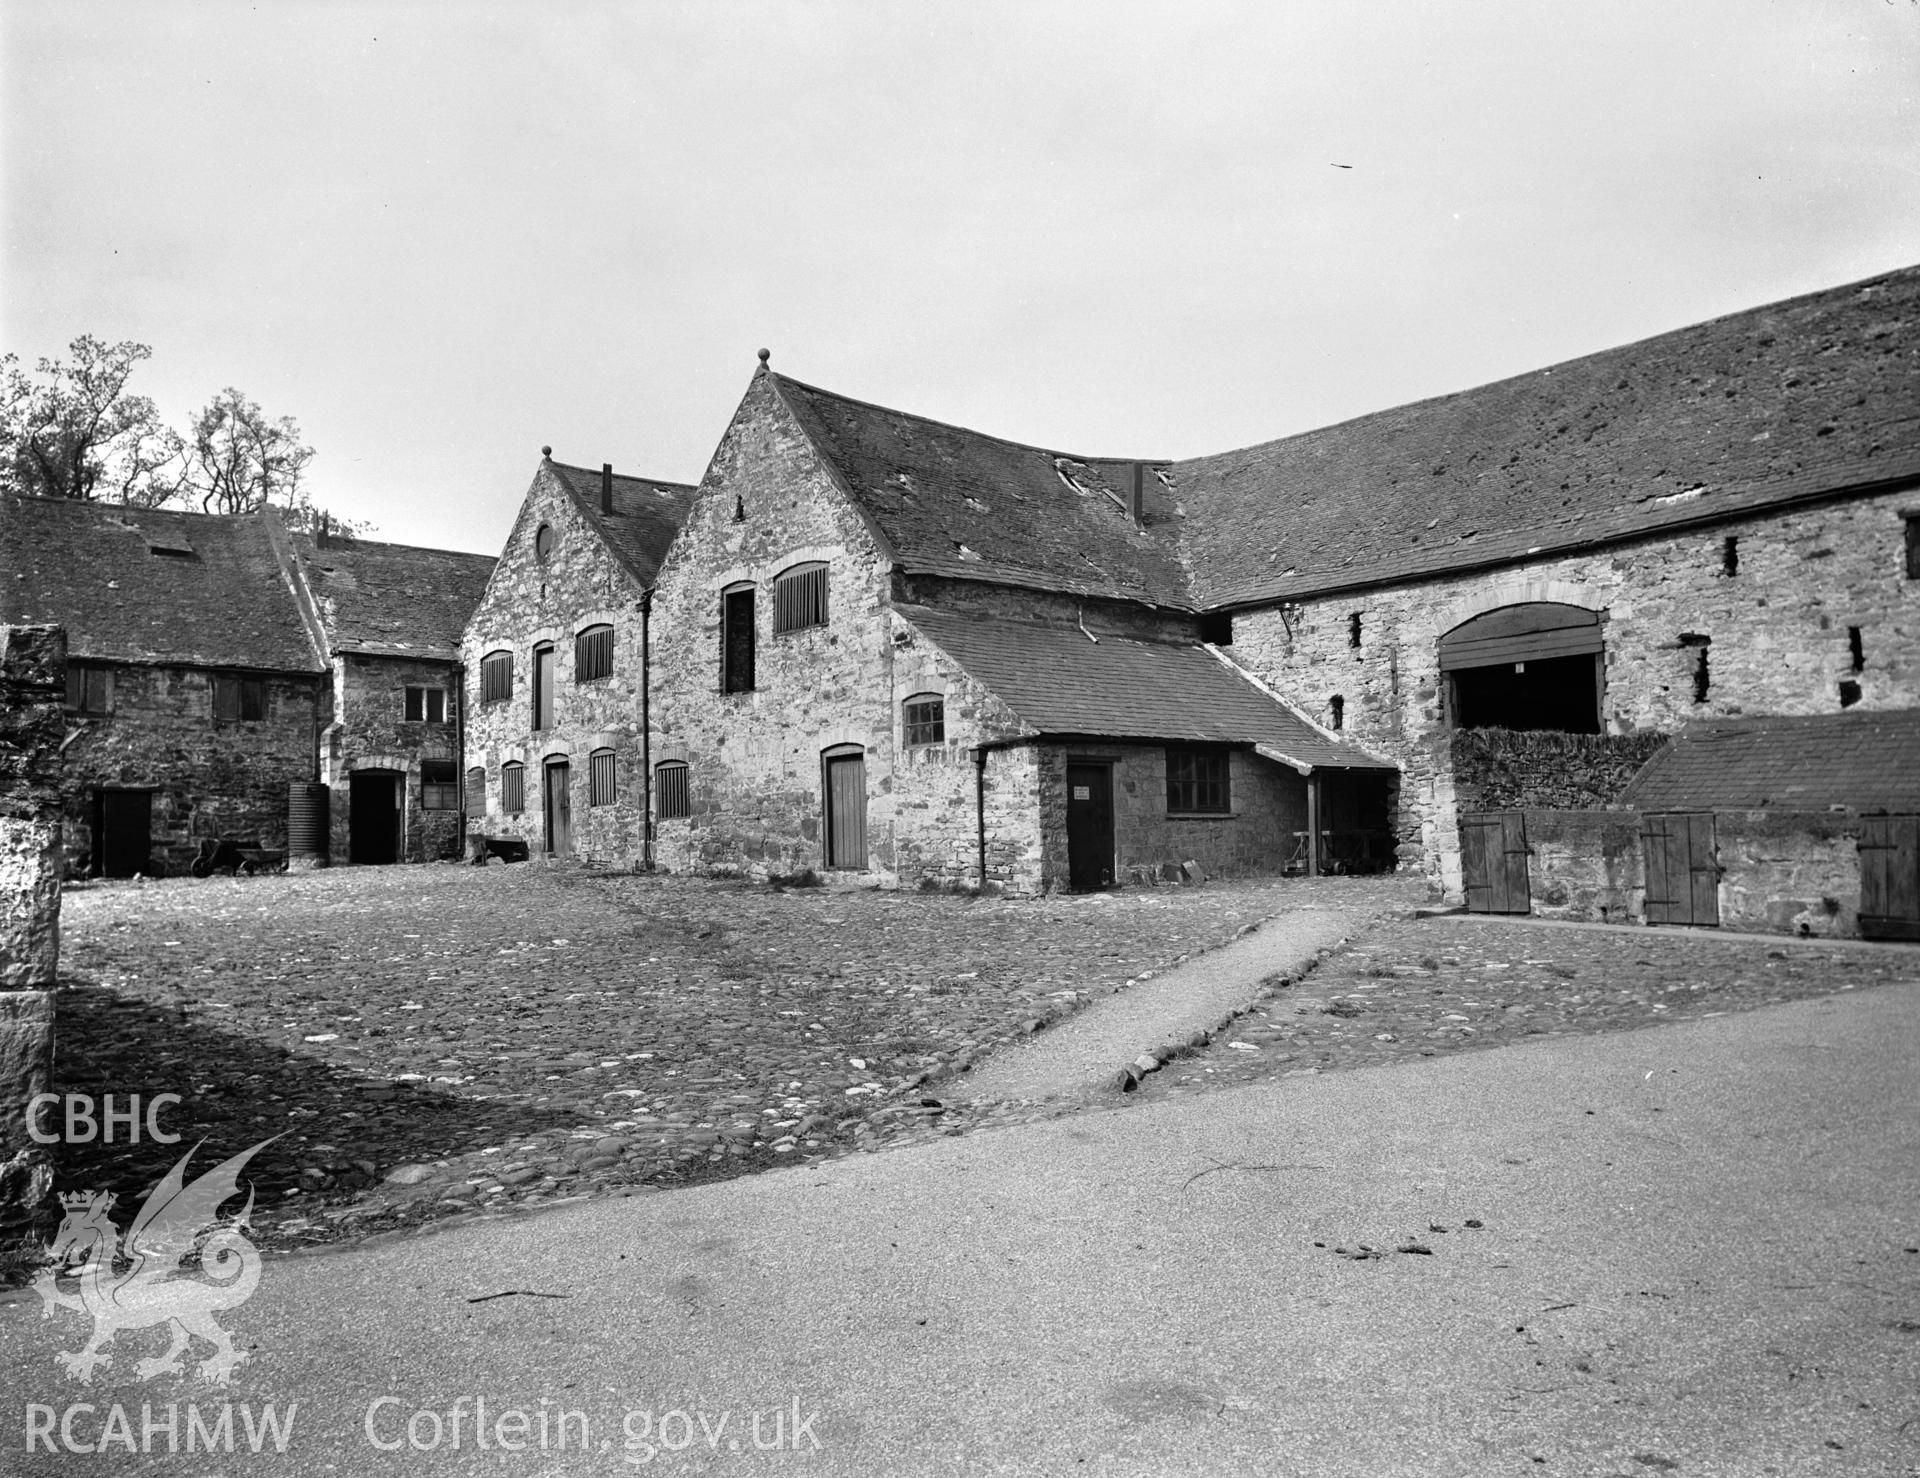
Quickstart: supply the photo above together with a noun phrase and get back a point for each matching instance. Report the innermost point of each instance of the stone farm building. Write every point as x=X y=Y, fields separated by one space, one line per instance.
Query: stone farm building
x=218 y=665
x=894 y=649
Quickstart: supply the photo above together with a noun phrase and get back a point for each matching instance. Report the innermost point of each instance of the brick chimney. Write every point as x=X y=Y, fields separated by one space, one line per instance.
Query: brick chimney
x=1137 y=493
x=606 y=487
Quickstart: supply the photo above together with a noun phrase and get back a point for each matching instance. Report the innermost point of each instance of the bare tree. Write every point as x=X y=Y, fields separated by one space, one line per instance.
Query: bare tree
x=76 y=432
x=240 y=460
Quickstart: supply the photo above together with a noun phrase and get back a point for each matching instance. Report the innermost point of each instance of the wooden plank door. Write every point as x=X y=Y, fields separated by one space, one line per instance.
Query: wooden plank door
x=542 y=689
x=560 y=809
x=1493 y=862
x=1089 y=827
x=125 y=835
x=1890 y=877
x=847 y=810
x=1683 y=869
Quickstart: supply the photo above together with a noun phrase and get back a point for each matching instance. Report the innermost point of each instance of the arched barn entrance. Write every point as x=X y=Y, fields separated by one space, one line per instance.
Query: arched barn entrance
x=1534 y=666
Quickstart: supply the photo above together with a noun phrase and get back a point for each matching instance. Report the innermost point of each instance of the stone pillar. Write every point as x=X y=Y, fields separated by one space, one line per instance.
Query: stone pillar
x=33 y=682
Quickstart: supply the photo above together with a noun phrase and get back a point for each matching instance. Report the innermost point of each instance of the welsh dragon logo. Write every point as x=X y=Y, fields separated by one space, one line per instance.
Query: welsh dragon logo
x=174 y=1220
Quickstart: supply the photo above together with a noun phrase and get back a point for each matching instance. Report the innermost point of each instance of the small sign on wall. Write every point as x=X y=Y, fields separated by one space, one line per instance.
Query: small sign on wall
x=1083 y=792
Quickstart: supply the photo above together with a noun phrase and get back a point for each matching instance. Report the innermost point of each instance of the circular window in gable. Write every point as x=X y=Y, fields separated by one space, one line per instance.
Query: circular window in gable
x=543 y=543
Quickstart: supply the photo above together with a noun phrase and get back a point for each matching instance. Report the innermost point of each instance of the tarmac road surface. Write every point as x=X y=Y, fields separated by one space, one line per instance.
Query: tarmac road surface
x=1698 y=1252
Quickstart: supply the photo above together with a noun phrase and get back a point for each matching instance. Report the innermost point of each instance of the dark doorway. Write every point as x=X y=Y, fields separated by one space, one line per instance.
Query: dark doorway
x=1890 y=877
x=736 y=640
x=125 y=833
x=846 y=780
x=1493 y=861
x=559 y=809
x=1683 y=870
x=373 y=817
x=1356 y=821
x=1089 y=826
x=1537 y=665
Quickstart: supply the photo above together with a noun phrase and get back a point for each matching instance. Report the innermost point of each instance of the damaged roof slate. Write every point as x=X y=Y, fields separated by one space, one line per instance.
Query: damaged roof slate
x=647 y=513
x=1862 y=761
x=950 y=501
x=140 y=585
x=1059 y=682
x=392 y=600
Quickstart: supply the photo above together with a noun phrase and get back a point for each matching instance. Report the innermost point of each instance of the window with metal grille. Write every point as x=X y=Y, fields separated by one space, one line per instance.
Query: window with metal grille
x=240 y=699
x=438 y=788
x=89 y=688
x=427 y=705
x=926 y=719
x=600 y=778
x=496 y=677
x=477 y=791
x=736 y=640
x=1197 y=780
x=800 y=598
x=671 y=798
x=593 y=654
x=513 y=788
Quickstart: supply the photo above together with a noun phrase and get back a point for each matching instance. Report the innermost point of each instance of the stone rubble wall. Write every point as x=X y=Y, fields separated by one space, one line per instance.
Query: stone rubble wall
x=1778 y=629
x=33 y=679
x=527 y=602
x=209 y=777
x=1501 y=770
x=370 y=730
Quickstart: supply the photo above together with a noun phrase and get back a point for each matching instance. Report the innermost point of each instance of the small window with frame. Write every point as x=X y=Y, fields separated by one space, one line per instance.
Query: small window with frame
x=513 y=787
x=426 y=705
x=593 y=654
x=800 y=598
x=239 y=699
x=924 y=720
x=672 y=800
x=601 y=787
x=89 y=689
x=1197 y=781
x=496 y=677
x=438 y=788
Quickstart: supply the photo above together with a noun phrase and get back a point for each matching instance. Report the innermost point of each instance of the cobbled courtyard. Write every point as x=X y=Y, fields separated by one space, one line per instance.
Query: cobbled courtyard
x=434 y=1040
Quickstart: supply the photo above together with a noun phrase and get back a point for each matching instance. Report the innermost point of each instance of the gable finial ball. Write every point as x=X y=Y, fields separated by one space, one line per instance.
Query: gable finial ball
x=546 y=451
x=765 y=355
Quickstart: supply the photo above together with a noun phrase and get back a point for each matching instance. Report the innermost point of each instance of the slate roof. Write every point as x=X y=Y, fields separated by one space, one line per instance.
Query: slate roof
x=1814 y=394
x=136 y=585
x=647 y=513
x=949 y=501
x=1862 y=761
x=1060 y=683
x=392 y=599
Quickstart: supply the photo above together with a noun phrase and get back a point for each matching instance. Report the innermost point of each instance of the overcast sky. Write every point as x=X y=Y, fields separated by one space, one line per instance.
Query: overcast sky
x=443 y=235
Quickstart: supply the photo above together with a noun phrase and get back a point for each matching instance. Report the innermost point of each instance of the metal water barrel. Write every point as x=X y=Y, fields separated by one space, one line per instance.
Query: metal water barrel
x=306 y=823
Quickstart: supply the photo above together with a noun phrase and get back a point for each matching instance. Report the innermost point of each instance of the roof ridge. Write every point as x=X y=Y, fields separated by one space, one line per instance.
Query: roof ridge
x=1545 y=369
x=350 y=542
x=623 y=476
x=1007 y=441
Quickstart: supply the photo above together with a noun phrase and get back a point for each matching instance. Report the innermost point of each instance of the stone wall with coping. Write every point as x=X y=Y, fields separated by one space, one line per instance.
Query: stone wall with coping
x=370 y=731
x=209 y=777
x=529 y=601
x=1778 y=629
x=33 y=668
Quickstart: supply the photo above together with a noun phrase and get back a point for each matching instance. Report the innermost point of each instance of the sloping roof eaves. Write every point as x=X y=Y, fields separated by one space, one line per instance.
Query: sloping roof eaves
x=1061 y=684
x=950 y=501
x=647 y=513
x=395 y=600
x=93 y=569
x=1765 y=407
x=1858 y=761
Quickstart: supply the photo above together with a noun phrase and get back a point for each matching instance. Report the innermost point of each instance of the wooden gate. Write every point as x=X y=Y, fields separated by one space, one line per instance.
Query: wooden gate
x=1683 y=872
x=1493 y=861
x=847 y=809
x=1890 y=877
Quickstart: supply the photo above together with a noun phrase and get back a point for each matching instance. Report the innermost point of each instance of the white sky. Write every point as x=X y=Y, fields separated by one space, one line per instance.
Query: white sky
x=443 y=235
